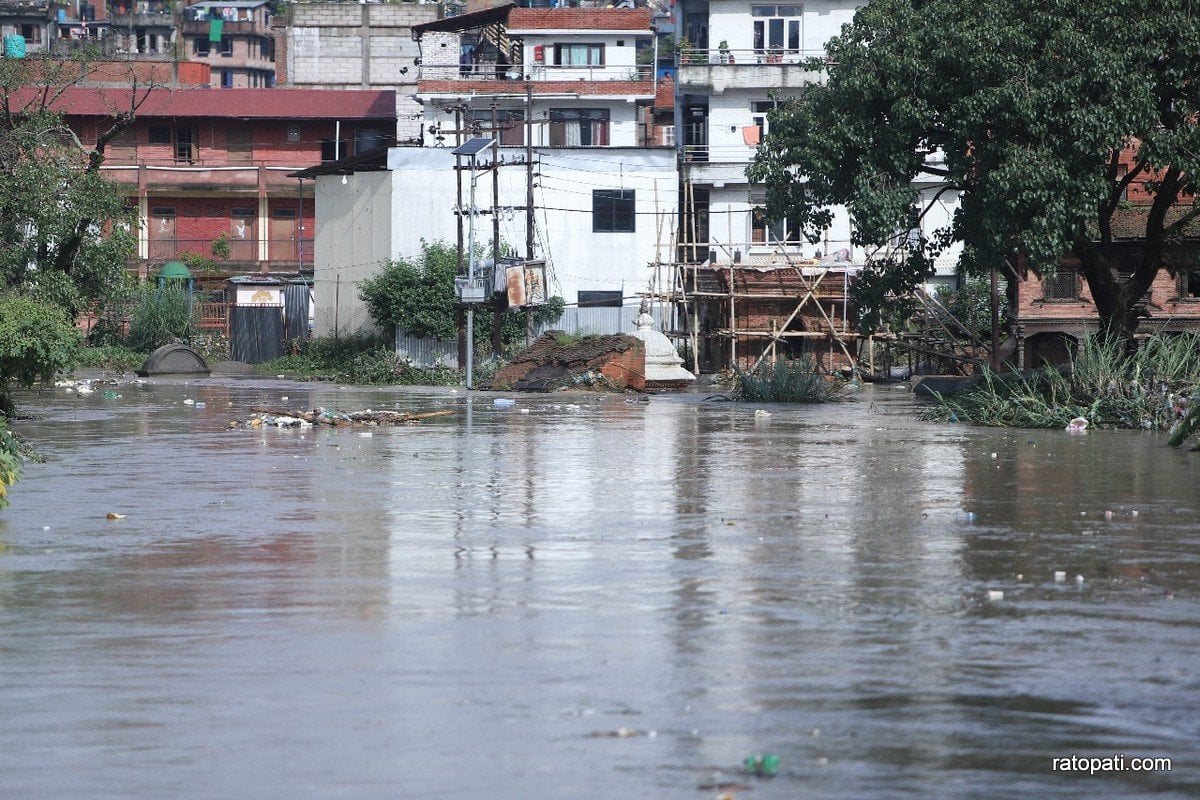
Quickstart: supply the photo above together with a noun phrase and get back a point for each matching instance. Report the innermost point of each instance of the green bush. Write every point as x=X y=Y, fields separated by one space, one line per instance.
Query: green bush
x=415 y=296
x=37 y=340
x=795 y=381
x=162 y=315
x=357 y=359
x=10 y=461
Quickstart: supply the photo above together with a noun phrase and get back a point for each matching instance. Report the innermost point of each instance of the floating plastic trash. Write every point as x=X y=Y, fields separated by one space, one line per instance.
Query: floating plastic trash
x=1060 y=577
x=189 y=402
x=1077 y=425
x=763 y=764
x=114 y=515
x=504 y=402
x=995 y=595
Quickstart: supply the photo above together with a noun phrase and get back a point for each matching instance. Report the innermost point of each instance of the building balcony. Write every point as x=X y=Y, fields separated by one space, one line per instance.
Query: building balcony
x=151 y=20
x=535 y=73
x=240 y=28
x=715 y=71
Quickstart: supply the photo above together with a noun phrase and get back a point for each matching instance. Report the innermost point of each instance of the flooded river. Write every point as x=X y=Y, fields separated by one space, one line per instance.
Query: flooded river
x=599 y=598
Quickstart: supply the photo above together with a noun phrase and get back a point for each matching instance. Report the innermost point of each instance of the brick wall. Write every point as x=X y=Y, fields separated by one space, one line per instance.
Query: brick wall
x=627 y=370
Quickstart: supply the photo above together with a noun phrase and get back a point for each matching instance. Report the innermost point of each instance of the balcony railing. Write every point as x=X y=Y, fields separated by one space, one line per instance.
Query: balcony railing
x=718 y=57
x=536 y=72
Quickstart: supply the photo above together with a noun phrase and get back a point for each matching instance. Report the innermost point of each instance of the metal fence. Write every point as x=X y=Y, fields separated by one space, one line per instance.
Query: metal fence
x=582 y=321
x=426 y=353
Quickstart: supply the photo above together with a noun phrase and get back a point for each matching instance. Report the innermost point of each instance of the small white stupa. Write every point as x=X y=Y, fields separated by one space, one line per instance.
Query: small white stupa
x=664 y=367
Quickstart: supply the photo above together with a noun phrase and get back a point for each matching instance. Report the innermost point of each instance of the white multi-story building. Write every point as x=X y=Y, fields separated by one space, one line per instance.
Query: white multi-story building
x=737 y=60
x=560 y=90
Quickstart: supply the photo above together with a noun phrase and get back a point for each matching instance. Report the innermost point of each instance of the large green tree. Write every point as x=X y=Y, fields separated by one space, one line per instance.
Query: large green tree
x=1023 y=109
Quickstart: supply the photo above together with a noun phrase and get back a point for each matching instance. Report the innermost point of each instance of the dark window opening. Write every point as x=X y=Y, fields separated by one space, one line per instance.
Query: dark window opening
x=201 y=45
x=160 y=136
x=613 y=211
x=599 y=299
x=1189 y=285
x=1063 y=285
x=331 y=151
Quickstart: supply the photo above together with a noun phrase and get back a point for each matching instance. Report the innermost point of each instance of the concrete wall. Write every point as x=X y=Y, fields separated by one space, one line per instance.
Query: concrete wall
x=375 y=216
x=353 y=240
x=348 y=45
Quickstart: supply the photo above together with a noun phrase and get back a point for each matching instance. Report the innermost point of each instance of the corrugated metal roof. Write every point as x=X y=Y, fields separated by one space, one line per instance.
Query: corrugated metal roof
x=340 y=104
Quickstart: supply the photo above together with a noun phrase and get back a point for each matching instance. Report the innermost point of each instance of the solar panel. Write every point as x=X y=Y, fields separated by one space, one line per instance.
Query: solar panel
x=472 y=147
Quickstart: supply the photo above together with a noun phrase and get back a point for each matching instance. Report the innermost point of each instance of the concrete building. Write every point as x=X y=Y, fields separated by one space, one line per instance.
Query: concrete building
x=354 y=46
x=562 y=92
x=235 y=38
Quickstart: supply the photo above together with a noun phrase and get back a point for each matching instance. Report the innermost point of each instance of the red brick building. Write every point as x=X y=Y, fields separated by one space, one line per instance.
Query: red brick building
x=1053 y=313
x=208 y=169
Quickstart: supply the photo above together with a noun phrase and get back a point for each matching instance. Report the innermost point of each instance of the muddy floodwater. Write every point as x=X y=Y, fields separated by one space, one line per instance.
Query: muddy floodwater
x=591 y=597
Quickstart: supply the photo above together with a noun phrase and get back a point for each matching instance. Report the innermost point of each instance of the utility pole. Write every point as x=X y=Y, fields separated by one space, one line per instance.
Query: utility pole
x=498 y=305
x=459 y=314
x=528 y=196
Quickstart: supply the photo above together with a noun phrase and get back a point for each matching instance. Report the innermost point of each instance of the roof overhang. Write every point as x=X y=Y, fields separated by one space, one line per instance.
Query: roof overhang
x=465 y=22
x=373 y=160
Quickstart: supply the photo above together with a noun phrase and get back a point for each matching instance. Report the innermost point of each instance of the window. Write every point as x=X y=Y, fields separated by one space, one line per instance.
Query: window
x=765 y=231
x=777 y=28
x=331 y=151
x=160 y=135
x=367 y=139
x=578 y=127
x=243 y=244
x=239 y=144
x=511 y=132
x=200 y=46
x=668 y=135
x=758 y=113
x=226 y=46
x=226 y=79
x=612 y=211
x=579 y=55
x=1061 y=286
x=32 y=34
x=1122 y=171
x=600 y=299
x=186 y=144
x=1189 y=285
x=123 y=147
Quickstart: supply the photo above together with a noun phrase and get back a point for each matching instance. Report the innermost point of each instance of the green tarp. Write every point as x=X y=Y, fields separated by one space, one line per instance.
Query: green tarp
x=214 y=29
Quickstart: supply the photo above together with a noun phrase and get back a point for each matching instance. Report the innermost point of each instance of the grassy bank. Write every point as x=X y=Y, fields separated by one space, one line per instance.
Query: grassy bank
x=1148 y=388
x=360 y=360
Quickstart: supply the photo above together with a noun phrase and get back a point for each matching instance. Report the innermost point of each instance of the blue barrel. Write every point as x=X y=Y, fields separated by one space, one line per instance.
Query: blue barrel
x=14 y=45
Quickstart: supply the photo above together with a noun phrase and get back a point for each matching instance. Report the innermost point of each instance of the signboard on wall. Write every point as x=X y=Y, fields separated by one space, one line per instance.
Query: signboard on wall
x=526 y=284
x=259 y=296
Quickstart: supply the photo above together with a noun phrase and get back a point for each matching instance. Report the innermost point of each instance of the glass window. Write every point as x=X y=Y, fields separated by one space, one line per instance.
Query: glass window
x=200 y=46
x=613 y=211
x=777 y=29
x=579 y=55
x=578 y=127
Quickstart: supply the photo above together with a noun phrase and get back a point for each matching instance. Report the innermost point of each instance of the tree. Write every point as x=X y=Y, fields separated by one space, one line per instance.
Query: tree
x=65 y=230
x=1028 y=111
x=419 y=297
x=416 y=296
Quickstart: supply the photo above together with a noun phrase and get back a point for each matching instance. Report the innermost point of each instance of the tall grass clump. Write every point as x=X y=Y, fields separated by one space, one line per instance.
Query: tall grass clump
x=162 y=315
x=1106 y=384
x=784 y=381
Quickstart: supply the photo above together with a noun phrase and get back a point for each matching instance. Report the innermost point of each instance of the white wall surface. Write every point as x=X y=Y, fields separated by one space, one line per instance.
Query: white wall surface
x=354 y=234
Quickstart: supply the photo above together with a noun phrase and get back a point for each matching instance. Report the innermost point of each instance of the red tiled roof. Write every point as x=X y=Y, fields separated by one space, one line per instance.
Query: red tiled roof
x=236 y=103
x=664 y=94
x=602 y=19
x=617 y=88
